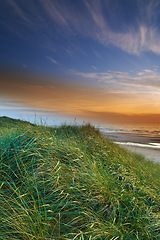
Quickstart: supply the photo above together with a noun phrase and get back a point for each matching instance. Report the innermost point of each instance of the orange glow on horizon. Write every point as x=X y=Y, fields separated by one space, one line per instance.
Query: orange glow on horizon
x=80 y=100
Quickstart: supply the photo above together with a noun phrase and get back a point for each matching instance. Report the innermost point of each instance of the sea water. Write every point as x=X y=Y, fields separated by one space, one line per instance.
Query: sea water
x=144 y=136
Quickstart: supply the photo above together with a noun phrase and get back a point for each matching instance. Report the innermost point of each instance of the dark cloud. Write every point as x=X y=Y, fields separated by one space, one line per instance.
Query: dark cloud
x=119 y=118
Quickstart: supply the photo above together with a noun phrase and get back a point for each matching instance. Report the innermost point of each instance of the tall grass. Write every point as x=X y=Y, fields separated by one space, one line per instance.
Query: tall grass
x=70 y=182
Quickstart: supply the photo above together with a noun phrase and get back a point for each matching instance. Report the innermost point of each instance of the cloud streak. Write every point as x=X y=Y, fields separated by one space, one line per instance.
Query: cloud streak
x=119 y=118
x=65 y=97
x=93 y=19
x=137 y=37
x=146 y=78
x=52 y=60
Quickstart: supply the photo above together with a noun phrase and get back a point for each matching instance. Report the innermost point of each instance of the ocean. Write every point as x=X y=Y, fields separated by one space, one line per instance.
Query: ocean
x=144 y=136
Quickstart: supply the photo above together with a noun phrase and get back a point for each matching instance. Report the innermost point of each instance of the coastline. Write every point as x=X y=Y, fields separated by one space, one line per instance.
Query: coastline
x=149 y=146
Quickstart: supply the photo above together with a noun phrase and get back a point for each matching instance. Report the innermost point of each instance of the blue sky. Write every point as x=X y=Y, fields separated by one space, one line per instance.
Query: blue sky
x=110 y=47
x=55 y=36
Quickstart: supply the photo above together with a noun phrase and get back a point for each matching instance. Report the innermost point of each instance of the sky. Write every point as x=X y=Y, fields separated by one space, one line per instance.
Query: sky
x=96 y=60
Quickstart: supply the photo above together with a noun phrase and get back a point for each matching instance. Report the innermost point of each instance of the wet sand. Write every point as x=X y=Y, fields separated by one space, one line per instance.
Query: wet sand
x=150 y=154
x=126 y=140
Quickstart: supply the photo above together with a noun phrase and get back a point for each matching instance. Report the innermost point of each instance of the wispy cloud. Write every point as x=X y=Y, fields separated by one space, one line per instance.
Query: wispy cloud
x=136 y=38
x=94 y=19
x=19 y=11
x=52 y=60
x=93 y=67
x=145 y=78
x=131 y=95
x=104 y=76
x=135 y=41
x=55 y=11
x=114 y=118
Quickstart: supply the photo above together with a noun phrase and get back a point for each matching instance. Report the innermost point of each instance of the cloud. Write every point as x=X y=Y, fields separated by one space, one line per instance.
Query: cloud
x=52 y=60
x=146 y=78
x=19 y=11
x=119 y=118
x=110 y=76
x=99 y=20
x=93 y=67
x=67 y=97
x=47 y=93
x=137 y=37
x=55 y=11
x=137 y=40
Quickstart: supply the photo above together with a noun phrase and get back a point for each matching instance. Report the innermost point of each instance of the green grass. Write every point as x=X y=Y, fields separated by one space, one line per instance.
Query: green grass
x=70 y=182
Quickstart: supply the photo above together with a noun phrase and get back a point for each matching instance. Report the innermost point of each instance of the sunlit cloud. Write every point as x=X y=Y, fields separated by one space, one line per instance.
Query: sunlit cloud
x=145 y=78
x=119 y=118
x=116 y=91
x=112 y=48
x=46 y=97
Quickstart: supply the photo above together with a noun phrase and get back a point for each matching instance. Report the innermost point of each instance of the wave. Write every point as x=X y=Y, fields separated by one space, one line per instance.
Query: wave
x=146 y=131
x=142 y=145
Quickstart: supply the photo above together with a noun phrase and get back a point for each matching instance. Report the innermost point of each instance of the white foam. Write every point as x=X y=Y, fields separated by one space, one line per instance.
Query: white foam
x=150 y=145
x=156 y=144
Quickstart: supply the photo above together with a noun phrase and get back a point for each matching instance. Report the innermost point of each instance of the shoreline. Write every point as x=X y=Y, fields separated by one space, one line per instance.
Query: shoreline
x=148 y=153
x=141 y=144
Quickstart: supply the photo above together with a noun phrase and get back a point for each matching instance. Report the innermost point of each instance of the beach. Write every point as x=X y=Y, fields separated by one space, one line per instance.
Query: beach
x=145 y=144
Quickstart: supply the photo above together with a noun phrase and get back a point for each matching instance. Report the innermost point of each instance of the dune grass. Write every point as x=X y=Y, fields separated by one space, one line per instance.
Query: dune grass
x=69 y=182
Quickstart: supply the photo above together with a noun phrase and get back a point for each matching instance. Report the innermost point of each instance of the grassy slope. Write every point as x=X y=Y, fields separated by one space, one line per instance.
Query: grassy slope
x=72 y=183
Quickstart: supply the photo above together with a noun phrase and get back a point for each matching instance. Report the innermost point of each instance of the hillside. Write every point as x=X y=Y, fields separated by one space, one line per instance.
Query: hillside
x=70 y=182
x=10 y=122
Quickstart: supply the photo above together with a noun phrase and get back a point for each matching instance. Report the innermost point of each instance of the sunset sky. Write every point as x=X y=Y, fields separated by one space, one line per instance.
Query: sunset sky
x=88 y=59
